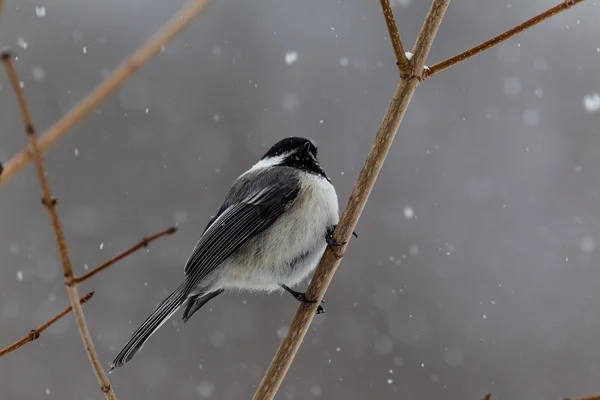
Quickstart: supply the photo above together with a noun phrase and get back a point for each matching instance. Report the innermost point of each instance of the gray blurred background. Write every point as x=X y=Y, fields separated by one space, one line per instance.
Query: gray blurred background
x=477 y=267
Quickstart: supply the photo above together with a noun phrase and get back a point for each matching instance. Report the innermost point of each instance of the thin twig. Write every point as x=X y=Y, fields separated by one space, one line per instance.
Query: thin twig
x=593 y=397
x=360 y=194
x=50 y=203
x=143 y=243
x=48 y=200
x=35 y=333
x=114 y=81
x=441 y=66
x=401 y=60
x=1 y=4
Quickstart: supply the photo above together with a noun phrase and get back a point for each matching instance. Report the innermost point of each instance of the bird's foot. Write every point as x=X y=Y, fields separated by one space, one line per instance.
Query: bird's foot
x=301 y=297
x=331 y=241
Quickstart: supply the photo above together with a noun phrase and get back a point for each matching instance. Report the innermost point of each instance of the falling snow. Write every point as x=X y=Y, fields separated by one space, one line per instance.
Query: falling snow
x=291 y=57
x=205 y=389
x=21 y=42
x=511 y=86
x=591 y=102
x=531 y=117
x=316 y=390
x=413 y=250
x=587 y=244
x=387 y=325
x=38 y=73
x=281 y=332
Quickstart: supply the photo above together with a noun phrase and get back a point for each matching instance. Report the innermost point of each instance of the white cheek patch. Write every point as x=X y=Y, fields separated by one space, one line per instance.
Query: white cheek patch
x=269 y=162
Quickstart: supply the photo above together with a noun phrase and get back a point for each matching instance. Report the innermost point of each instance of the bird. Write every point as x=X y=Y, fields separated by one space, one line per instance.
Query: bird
x=268 y=235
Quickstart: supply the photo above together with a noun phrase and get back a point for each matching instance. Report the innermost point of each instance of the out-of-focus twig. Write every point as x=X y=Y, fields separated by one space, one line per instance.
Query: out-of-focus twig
x=1 y=4
x=401 y=60
x=35 y=333
x=594 y=397
x=358 y=199
x=441 y=66
x=114 y=81
x=143 y=243
x=50 y=202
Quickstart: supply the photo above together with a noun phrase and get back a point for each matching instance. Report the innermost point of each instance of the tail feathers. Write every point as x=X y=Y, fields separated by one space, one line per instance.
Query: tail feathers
x=162 y=313
x=193 y=304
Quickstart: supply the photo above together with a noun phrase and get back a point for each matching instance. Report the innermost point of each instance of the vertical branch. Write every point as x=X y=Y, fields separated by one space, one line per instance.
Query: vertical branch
x=48 y=200
x=331 y=259
x=114 y=81
x=50 y=203
x=428 y=31
x=401 y=60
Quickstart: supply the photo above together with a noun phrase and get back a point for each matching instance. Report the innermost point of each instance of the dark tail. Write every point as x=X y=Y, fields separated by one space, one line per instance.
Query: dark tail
x=162 y=313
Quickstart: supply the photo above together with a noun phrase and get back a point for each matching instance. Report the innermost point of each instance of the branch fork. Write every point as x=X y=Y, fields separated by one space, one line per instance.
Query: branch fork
x=409 y=80
x=332 y=256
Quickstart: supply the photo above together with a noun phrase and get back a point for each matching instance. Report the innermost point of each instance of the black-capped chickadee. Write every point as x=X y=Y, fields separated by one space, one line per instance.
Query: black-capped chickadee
x=268 y=234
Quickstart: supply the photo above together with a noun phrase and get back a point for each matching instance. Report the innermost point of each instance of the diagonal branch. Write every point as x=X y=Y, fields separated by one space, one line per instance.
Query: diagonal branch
x=439 y=67
x=402 y=62
x=50 y=203
x=358 y=199
x=35 y=333
x=143 y=243
x=101 y=92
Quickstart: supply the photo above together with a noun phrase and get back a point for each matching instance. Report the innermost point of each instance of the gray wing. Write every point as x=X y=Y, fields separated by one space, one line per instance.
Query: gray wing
x=235 y=224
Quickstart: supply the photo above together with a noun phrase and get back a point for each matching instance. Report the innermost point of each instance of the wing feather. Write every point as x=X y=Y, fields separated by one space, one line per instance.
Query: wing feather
x=234 y=226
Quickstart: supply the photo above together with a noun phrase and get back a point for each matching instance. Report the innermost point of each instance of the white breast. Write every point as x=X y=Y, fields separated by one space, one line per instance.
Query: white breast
x=299 y=232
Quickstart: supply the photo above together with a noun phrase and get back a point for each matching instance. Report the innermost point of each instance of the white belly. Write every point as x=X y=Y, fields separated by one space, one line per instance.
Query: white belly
x=287 y=251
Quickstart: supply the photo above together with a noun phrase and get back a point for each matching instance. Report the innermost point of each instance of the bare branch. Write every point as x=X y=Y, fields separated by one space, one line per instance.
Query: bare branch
x=115 y=80
x=1 y=4
x=50 y=203
x=439 y=67
x=35 y=333
x=360 y=194
x=594 y=397
x=143 y=243
x=402 y=62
